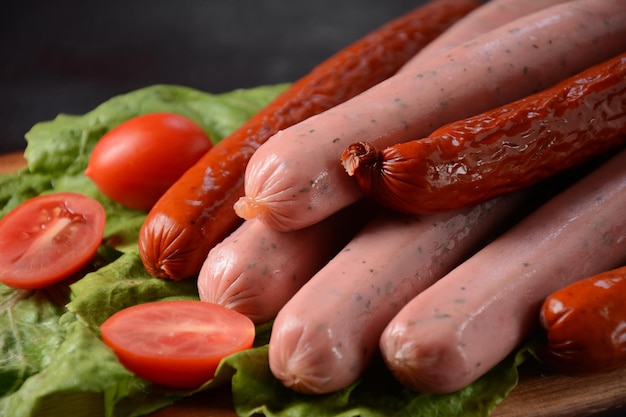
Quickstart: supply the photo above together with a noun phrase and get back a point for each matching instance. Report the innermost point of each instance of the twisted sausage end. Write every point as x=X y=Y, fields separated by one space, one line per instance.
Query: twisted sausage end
x=359 y=155
x=247 y=208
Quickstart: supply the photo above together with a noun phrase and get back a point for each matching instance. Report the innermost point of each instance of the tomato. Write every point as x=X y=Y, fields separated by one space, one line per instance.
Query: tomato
x=137 y=161
x=176 y=343
x=48 y=238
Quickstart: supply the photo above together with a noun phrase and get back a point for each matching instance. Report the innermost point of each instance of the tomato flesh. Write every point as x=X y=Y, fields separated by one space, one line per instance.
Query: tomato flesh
x=48 y=238
x=137 y=161
x=176 y=343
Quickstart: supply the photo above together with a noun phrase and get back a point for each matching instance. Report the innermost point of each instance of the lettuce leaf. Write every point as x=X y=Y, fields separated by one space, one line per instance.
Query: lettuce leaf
x=376 y=394
x=53 y=361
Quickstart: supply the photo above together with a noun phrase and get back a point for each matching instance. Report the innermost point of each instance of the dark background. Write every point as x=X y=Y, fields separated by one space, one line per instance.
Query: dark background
x=68 y=56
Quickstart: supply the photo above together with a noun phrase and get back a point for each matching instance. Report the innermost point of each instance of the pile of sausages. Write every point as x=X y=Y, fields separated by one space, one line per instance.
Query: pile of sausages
x=416 y=214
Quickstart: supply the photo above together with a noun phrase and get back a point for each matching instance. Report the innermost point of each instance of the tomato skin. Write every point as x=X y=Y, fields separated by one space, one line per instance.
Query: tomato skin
x=176 y=343
x=48 y=238
x=137 y=161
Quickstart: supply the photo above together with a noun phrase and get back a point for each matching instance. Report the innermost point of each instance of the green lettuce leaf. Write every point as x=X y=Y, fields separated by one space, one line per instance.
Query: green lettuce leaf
x=121 y=284
x=376 y=394
x=64 y=144
x=58 y=150
x=53 y=361
x=29 y=331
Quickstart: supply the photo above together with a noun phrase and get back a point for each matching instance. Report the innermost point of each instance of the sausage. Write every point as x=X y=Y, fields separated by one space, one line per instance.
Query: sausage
x=585 y=325
x=327 y=334
x=460 y=327
x=256 y=270
x=501 y=150
x=296 y=179
x=197 y=211
x=488 y=16
x=240 y=274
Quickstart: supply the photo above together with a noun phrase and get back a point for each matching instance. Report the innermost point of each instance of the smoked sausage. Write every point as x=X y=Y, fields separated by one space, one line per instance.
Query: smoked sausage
x=585 y=325
x=326 y=335
x=471 y=319
x=501 y=150
x=296 y=179
x=197 y=211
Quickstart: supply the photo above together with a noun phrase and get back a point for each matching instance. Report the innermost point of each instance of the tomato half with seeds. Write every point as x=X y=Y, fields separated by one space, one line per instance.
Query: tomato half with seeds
x=176 y=343
x=138 y=160
x=48 y=238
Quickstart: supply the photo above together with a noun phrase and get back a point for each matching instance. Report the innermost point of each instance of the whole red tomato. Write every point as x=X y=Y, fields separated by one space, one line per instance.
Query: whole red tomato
x=138 y=160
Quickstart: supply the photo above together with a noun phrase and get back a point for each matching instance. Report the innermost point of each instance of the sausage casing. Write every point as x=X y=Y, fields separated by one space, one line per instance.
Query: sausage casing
x=501 y=150
x=585 y=325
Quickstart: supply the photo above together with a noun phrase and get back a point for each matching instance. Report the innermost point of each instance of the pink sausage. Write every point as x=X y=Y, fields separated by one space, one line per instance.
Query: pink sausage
x=256 y=269
x=233 y=273
x=463 y=325
x=489 y=16
x=326 y=335
x=228 y=277
x=296 y=179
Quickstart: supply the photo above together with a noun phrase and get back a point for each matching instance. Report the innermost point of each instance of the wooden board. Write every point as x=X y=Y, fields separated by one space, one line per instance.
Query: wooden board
x=11 y=162
x=537 y=395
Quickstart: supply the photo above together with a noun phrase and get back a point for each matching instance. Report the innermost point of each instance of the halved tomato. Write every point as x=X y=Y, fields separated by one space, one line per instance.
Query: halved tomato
x=48 y=238
x=176 y=343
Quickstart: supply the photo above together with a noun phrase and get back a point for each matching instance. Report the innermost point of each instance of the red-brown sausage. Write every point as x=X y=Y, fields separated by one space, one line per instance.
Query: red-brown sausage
x=197 y=211
x=256 y=269
x=501 y=150
x=296 y=179
x=326 y=335
x=471 y=319
x=585 y=325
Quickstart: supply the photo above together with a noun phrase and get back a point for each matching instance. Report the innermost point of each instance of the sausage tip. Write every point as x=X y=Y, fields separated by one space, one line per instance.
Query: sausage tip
x=420 y=365
x=359 y=154
x=247 y=208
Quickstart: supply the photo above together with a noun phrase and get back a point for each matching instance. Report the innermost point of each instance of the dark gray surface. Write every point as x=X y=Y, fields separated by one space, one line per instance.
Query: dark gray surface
x=68 y=56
